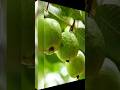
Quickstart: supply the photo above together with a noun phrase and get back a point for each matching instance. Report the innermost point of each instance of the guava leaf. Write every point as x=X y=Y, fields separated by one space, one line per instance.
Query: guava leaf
x=52 y=58
x=107 y=79
x=94 y=46
x=80 y=34
x=108 y=19
x=113 y=2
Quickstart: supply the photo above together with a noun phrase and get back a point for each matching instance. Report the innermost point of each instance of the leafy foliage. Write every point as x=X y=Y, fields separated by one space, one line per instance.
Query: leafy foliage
x=111 y=30
x=106 y=18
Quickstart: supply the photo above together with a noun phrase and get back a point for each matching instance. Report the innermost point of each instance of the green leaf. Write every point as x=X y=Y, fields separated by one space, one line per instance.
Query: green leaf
x=80 y=34
x=70 y=12
x=108 y=20
x=94 y=46
x=82 y=16
x=55 y=12
x=52 y=58
x=41 y=7
x=107 y=79
x=63 y=14
x=113 y=2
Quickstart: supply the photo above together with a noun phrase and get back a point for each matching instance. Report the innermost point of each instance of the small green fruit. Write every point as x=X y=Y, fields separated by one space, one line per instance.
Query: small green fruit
x=49 y=35
x=81 y=76
x=76 y=66
x=69 y=46
x=80 y=35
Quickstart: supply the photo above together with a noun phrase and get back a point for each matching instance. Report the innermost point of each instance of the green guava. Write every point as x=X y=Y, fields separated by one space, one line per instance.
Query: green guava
x=76 y=66
x=49 y=35
x=69 y=46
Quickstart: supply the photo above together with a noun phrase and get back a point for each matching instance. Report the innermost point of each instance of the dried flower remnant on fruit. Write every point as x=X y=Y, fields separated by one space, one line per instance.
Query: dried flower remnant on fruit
x=77 y=76
x=51 y=49
x=67 y=60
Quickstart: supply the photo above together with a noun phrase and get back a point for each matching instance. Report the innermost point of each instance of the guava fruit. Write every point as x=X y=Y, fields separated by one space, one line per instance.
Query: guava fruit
x=49 y=35
x=69 y=46
x=80 y=35
x=76 y=66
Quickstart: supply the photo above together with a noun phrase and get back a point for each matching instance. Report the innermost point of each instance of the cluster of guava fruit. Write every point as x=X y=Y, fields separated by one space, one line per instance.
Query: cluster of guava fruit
x=52 y=39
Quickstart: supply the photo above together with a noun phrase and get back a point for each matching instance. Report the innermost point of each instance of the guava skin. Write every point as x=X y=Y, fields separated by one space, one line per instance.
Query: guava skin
x=49 y=35
x=69 y=47
x=76 y=66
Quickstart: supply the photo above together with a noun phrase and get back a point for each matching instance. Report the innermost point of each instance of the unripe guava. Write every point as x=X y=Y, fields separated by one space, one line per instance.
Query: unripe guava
x=80 y=35
x=76 y=66
x=69 y=46
x=49 y=35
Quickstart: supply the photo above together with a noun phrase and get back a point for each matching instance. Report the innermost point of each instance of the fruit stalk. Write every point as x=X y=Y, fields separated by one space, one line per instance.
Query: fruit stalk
x=71 y=28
